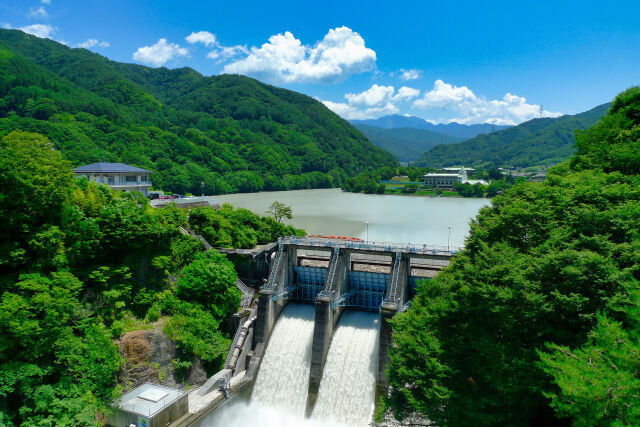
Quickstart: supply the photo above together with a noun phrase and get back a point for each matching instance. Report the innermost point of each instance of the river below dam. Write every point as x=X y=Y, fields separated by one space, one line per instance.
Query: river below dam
x=398 y=219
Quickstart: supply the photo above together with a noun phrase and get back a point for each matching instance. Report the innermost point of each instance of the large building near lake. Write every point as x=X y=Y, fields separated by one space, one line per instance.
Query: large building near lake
x=446 y=178
x=117 y=176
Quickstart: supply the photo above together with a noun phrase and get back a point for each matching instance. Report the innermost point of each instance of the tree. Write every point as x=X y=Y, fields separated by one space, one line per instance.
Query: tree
x=280 y=211
x=597 y=384
x=529 y=312
x=34 y=184
x=211 y=280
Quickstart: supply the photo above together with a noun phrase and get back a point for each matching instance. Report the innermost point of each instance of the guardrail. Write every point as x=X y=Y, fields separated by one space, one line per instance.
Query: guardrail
x=332 y=268
x=273 y=274
x=394 y=279
x=372 y=245
x=247 y=294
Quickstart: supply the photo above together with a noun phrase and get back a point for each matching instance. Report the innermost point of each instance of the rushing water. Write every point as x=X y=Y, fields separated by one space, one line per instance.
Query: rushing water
x=348 y=386
x=283 y=378
x=399 y=219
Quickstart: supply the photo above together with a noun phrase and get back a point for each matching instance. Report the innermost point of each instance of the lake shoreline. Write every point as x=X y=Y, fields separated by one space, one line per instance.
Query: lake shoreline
x=374 y=217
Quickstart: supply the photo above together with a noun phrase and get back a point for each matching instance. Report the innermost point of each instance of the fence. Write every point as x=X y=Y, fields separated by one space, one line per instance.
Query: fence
x=372 y=246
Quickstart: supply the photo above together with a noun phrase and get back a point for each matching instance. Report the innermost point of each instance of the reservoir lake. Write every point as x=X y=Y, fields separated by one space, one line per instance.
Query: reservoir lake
x=397 y=219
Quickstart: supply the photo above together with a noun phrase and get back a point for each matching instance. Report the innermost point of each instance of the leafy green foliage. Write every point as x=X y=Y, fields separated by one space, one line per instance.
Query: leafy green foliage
x=237 y=228
x=280 y=211
x=57 y=364
x=195 y=331
x=488 y=341
x=598 y=383
x=80 y=265
x=210 y=280
x=536 y=142
x=231 y=132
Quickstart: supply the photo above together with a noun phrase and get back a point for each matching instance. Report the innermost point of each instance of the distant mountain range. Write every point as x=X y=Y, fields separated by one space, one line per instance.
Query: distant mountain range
x=455 y=130
x=406 y=144
x=536 y=142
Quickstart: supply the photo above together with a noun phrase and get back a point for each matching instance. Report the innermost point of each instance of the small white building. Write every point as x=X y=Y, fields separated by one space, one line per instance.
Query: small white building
x=117 y=176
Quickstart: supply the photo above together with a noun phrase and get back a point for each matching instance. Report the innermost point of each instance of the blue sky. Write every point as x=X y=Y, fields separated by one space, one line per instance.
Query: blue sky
x=470 y=61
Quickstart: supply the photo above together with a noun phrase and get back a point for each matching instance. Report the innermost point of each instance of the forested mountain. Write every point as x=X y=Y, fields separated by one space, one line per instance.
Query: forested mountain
x=407 y=144
x=454 y=129
x=536 y=142
x=232 y=132
x=537 y=322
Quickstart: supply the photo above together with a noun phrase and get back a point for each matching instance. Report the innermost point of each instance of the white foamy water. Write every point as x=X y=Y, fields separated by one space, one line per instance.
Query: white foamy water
x=348 y=386
x=279 y=395
x=283 y=378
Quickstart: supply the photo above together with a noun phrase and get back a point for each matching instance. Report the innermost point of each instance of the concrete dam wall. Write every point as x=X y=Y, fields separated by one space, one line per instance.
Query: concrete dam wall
x=318 y=346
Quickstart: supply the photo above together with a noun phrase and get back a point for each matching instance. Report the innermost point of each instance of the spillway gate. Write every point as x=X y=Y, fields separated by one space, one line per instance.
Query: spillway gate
x=335 y=275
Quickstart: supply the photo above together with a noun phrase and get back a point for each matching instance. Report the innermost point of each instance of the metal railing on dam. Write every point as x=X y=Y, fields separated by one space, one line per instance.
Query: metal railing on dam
x=371 y=245
x=336 y=274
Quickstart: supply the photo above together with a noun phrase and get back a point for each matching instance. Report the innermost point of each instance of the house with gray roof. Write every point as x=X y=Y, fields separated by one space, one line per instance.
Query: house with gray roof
x=117 y=176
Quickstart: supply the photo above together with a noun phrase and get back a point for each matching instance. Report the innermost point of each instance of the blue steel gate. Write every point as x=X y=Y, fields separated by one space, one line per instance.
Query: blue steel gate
x=368 y=289
x=309 y=282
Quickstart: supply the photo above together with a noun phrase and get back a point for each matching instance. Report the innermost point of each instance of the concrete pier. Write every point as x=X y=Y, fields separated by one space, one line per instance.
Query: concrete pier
x=326 y=318
x=343 y=287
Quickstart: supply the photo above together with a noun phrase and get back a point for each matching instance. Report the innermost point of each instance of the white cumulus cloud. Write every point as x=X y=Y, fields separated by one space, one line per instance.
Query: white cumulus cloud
x=470 y=108
x=89 y=43
x=159 y=53
x=410 y=74
x=219 y=51
x=43 y=31
x=226 y=52
x=204 y=37
x=45 y=1
x=284 y=59
x=406 y=92
x=374 y=96
x=374 y=102
x=38 y=13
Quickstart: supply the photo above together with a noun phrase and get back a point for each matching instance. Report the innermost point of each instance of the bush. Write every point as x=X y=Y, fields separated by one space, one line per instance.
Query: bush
x=211 y=280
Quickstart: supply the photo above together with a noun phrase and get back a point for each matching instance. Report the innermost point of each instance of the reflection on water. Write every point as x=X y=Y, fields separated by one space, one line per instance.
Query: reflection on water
x=400 y=219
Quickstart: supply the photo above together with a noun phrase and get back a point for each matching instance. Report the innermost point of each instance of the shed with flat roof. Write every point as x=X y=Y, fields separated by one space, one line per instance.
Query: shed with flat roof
x=149 y=405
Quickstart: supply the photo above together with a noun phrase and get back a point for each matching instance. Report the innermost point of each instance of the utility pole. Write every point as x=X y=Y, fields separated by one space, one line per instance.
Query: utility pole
x=367 y=231
x=202 y=186
x=449 y=239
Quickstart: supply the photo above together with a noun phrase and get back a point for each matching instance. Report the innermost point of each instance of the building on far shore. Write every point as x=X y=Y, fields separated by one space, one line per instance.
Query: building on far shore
x=447 y=177
x=457 y=170
x=117 y=176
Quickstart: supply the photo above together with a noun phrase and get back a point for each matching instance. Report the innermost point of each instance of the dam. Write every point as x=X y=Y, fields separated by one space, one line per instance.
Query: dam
x=316 y=345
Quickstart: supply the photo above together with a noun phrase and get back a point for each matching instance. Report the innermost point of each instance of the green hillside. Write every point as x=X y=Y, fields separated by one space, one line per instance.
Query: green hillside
x=232 y=132
x=407 y=144
x=536 y=142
